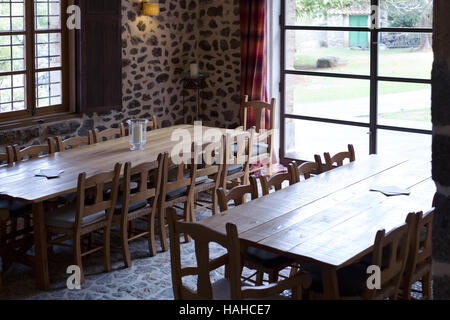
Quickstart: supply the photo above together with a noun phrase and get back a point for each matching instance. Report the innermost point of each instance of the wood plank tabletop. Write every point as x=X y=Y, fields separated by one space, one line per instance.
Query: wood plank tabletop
x=331 y=219
x=20 y=182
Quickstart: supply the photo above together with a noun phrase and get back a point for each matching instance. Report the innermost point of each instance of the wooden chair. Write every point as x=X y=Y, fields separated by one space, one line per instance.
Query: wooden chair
x=208 y=174
x=108 y=134
x=419 y=265
x=339 y=158
x=254 y=258
x=237 y=194
x=7 y=158
x=177 y=187
x=276 y=181
x=390 y=253
x=236 y=162
x=139 y=202
x=33 y=152
x=305 y=169
x=152 y=124
x=264 y=144
x=226 y=288
x=72 y=143
x=85 y=217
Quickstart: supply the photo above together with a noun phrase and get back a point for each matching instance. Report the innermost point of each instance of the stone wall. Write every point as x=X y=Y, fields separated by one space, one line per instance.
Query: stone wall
x=441 y=149
x=219 y=54
x=156 y=52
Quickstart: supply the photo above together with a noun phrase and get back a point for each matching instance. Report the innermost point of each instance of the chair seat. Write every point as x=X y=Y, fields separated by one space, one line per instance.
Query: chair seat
x=204 y=179
x=267 y=259
x=65 y=218
x=258 y=148
x=352 y=280
x=178 y=193
x=221 y=290
x=16 y=208
x=132 y=207
x=234 y=169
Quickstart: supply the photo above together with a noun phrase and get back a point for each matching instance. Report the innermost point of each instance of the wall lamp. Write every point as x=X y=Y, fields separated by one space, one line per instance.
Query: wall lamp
x=150 y=9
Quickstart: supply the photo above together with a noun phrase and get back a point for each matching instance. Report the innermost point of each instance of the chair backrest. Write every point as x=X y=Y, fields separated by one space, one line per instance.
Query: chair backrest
x=420 y=251
x=71 y=143
x=33 y=152
x=395 y=245
x=259 y=107
x=148 y=178
x=209 y=160
x=244 y=141
x=100 y=200
x=306 y=169
x=237 y=194
x=174 y=174
x=7 y=158
x=202 y=236
x=339 y=158
x=108 y=134
x=276 y=181
x=152 y=124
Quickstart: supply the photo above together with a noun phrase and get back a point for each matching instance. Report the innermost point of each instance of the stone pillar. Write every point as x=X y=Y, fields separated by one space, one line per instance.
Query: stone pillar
x=441 y=149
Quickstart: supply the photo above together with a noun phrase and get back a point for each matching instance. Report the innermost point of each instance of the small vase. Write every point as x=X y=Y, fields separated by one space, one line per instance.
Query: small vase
x=137 y=133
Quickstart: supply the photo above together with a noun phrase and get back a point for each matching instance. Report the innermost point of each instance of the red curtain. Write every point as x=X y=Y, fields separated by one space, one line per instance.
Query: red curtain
x=253 y=55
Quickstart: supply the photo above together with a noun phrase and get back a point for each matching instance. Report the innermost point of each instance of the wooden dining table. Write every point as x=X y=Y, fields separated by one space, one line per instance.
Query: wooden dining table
x=331 y=219
x=19 y=182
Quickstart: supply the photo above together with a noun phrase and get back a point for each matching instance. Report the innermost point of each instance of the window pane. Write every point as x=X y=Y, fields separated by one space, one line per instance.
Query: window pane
x=48 y=50
x=48 y=89
x=12 y=93
x=304 y=139
x=332 y=98
x=12 y=53
x=326 y=13
x=405 y=105
x=406 y=14
x=12 y=15
x=393 y=144
x=407 y=55
x=328 y=51
x=47 y=14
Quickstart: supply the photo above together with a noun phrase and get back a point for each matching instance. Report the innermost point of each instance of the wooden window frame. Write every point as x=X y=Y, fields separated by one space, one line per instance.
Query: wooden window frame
x=30 y=71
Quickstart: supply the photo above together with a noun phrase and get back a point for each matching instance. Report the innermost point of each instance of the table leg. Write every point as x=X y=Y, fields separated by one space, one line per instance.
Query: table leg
x=40 y=246
x=330 y=284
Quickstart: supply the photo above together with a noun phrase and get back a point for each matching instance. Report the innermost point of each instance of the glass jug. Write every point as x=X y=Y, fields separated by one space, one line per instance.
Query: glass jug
x=137 y=133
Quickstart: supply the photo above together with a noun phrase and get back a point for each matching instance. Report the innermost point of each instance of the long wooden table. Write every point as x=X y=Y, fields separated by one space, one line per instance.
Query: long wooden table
x=331 y=219
x=20 y=183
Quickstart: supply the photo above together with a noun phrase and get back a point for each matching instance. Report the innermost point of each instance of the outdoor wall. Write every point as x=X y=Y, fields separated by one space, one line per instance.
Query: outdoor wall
x=156 y=52
x=441 y=149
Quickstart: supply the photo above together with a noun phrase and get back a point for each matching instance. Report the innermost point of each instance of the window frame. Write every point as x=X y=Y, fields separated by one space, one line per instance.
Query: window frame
x=30 y=32
x=373 y=77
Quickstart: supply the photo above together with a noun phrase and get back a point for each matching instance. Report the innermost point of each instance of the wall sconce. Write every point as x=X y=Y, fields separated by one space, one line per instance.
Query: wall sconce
x=150 y=9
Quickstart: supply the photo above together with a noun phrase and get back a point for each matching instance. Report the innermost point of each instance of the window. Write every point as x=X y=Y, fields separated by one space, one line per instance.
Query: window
x=344 y=82
x=32 y=58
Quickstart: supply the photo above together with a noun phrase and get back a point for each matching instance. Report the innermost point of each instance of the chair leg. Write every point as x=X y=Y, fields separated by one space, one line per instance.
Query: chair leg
x=162 y=229
x=273 y=277
x=151 y=233
x=188 y=217
x=125 y=247
x=77 y=256
x=215 y=202
x=259 y=277
x=107 y=248
x=426 y=286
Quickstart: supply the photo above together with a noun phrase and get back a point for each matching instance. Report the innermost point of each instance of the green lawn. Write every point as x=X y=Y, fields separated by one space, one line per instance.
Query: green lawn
x=396 y=62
